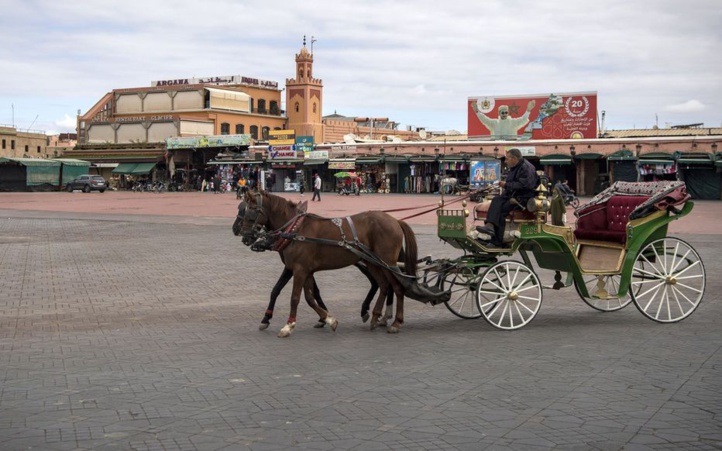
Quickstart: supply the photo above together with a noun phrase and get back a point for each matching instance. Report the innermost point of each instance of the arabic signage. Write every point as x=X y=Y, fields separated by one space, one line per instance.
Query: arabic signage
x=218 y=80
x=484 y=172
x=191 y=142
x=536 y=116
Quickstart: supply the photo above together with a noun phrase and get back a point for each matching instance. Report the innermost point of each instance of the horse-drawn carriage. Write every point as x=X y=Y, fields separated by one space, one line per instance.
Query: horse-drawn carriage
x=618 y=253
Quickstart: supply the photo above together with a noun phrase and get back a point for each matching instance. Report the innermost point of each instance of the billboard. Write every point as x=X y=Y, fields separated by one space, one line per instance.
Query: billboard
x=484 y=172
x=534 y=116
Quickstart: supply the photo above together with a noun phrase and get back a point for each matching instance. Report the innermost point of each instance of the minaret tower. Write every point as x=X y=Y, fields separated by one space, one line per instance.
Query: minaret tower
x=304 y=98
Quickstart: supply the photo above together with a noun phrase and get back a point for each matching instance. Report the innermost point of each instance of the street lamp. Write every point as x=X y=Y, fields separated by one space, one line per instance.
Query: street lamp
x=572 y=150
x=496 y=152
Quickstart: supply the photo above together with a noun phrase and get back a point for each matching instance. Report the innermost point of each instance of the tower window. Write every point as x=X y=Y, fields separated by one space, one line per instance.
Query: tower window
x=261 y=106
x=314 y=107
x=298 y=107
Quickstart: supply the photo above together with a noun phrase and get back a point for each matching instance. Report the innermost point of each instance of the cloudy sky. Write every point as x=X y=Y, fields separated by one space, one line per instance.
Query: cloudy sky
x=416 y=62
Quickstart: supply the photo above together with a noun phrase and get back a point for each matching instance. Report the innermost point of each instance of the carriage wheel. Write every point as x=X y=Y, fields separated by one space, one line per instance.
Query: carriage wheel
x=668 y=280
x=462 y=282
x=603 y=291
x=509 y=295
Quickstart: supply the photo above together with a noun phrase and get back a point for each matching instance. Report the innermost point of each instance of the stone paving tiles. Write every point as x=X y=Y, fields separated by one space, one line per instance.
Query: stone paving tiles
x=120 y=334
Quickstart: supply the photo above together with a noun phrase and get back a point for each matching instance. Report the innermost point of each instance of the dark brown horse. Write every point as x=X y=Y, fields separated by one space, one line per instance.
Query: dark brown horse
x=313 y=243
x=287 y=275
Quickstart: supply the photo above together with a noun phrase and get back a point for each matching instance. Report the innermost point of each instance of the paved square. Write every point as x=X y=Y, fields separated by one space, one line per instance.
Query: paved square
x=143 y=334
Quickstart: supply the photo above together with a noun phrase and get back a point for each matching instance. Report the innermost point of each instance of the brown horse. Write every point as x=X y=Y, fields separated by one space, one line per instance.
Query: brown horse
x=312 y=243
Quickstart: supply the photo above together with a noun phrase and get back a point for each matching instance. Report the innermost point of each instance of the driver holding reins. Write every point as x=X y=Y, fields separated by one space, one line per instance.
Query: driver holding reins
x=519 y=186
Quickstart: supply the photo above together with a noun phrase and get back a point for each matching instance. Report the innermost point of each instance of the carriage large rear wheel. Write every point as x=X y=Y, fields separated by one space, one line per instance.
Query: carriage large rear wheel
x=602 y=292
x=509 y=295
x=668 y=280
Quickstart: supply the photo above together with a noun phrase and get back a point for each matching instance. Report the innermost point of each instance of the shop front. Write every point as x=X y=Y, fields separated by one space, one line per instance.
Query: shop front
x=699 y=173
x=622 y=166
x=371 y=170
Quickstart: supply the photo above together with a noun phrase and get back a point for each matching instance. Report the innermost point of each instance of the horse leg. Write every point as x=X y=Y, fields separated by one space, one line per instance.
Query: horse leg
x=324 y=317
x=389 y=305
x=280 y=283
x=378 y=275
x=398 y=289
x=299 y=281
x=319 y=301
x=374 y=288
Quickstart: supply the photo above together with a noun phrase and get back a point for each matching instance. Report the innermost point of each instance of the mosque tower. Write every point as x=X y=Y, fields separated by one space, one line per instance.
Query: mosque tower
x=304 y=98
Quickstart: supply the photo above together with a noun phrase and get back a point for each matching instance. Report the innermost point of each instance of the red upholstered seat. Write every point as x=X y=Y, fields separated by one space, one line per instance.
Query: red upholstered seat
x=608 y=222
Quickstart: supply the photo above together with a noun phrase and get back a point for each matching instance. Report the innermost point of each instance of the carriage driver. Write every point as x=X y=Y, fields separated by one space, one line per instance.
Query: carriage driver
x=519 y=187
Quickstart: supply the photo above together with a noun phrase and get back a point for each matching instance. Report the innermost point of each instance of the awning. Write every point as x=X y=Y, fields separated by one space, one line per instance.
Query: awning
x=72 y=162
x=133 y=168
x=655 y=161
x=369 y=160
x=549 y=160
x=422 y=159
x=694 y=158
x=125 y=168
x=31 y=161
x=219 y=162
x=314 y=161
x=396 y=159
x=622 y=155
x=229 y=100
x=588 y=156
x=452 y=159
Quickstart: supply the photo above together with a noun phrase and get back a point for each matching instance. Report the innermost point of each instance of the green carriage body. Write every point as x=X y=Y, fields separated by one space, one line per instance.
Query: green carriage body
x=556 y=248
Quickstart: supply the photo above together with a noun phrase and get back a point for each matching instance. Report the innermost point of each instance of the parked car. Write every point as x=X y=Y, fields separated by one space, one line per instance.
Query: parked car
x=87 y=183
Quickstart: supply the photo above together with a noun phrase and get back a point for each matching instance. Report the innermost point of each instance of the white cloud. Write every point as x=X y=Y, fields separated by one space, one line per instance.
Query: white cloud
x=67 y=124
x=690 y=106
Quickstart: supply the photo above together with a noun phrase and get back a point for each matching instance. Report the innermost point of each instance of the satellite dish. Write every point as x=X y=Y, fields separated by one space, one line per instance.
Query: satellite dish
x=422 y=134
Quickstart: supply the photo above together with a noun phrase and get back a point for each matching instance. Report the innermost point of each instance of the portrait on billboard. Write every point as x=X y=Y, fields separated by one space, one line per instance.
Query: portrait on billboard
x=539 y=116
x=484 y=172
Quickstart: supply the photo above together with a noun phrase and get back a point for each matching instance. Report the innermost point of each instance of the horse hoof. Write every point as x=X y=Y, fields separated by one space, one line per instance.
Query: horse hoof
x=392 y=330
x=333 y=322
x=319 y=324
x=365 y=317
x=374 y=324
x=263 y=326
x=287 y=329
x=383 y=321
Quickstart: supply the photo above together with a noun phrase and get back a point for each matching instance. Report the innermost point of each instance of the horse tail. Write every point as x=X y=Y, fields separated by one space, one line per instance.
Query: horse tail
x=411 y=250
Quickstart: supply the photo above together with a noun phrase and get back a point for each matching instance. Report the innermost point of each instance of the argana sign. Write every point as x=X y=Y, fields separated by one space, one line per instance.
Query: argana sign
x=218 y=80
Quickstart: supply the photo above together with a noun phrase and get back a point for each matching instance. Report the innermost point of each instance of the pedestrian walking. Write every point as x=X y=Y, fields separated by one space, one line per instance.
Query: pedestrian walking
x=316 y=188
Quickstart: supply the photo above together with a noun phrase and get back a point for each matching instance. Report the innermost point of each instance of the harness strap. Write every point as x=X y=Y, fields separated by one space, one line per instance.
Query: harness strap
x=353 y=229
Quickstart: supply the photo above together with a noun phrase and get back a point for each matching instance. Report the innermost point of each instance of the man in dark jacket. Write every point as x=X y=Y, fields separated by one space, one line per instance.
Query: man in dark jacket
x=520 y=186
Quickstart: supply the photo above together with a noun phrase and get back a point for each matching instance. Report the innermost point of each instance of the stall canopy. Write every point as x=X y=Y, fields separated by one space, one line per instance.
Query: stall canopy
x=656 y=158
x=588 y=156
x=558 y=159
x=133 y=168
x=71 y=168
x=370 y=160
x=20 y=174
x=314 y=161
x=694 y=158
x=622 y=155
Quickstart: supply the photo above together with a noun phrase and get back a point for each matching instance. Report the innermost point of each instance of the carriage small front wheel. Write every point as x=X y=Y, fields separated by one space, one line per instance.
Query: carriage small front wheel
x=668 y=280
x=509 y=295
